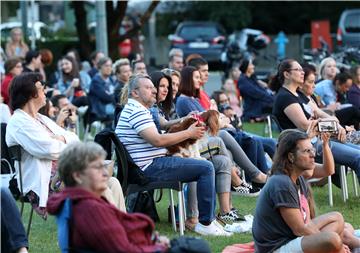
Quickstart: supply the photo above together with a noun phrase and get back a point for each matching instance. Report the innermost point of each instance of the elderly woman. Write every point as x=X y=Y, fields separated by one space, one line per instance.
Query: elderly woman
x=41 y=139
x=96 y=224
x=282 y=220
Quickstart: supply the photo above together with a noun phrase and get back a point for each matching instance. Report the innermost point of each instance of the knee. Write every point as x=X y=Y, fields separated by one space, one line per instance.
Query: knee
x=334 y=241
x=207 y=167
x=336 y=216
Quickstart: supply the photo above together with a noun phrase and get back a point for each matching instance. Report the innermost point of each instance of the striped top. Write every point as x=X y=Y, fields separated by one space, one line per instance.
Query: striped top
x=135 y=118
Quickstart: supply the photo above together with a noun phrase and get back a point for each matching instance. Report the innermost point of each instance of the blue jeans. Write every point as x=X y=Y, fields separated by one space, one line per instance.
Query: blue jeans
x=269 y=144
x=344 y=154
x=13 y=235
x=252 y=147
x=170 y=168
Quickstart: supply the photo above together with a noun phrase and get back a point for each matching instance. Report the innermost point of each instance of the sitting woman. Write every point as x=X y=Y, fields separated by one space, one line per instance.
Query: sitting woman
x=257 y=98
x=354 y=92
x=96 y=224
x=332 y=93
x=290 y=111
x=282 y=222
x=41 y=139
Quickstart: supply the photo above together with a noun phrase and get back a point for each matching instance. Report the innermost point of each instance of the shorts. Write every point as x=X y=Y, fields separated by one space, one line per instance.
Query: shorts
x=294 y=246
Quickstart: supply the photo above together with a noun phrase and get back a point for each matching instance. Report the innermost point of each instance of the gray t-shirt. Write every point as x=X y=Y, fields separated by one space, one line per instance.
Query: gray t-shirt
x=270 y=231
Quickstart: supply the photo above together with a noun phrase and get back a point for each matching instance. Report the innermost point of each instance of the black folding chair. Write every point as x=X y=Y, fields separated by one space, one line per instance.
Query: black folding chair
x=15 y=153
x=132 y=180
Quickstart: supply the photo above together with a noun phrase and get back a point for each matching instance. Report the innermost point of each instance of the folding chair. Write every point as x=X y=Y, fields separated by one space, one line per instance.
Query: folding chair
x=15 y=153
x=128 y=182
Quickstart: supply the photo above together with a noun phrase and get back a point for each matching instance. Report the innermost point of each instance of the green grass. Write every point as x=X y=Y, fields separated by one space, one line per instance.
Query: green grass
x=43 y=235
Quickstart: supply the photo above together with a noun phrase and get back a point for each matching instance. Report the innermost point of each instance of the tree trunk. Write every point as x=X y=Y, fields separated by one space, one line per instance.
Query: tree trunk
x=81 y=28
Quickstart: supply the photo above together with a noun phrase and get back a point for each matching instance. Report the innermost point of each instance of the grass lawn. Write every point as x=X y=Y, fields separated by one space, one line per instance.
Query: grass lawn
x=43 y=235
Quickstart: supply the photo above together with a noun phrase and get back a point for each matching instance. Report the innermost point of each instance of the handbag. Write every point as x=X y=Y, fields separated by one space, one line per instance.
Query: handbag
x=185 y=244
x=145 y=204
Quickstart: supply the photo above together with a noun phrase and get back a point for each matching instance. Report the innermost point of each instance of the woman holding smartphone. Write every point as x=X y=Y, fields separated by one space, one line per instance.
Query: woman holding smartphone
x=292 y=111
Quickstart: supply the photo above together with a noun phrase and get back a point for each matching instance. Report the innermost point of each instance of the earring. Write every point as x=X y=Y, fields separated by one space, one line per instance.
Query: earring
x=291 y=160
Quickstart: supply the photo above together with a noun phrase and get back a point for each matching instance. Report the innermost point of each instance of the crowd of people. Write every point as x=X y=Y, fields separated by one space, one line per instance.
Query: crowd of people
x=143 y=109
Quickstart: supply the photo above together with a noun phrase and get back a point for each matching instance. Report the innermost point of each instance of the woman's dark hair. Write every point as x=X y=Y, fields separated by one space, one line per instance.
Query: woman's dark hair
x=187 y=82
x=287 y=141
x=167 y=103
x=74 y=73
x=22 y=89
x=342 y=77
x=308 y=70
x=45 y=109
x=278 y=80
x=244 y=65
x=216 y=96
x=11 y=63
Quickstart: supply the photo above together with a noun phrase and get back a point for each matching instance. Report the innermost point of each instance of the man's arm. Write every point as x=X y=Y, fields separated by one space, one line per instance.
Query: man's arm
x=152 y=136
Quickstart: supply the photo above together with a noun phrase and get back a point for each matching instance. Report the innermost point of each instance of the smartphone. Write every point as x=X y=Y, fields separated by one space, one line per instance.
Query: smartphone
x=328 y=126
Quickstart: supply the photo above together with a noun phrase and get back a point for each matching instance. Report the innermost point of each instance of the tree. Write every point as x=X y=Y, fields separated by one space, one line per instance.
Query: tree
x=114 y=16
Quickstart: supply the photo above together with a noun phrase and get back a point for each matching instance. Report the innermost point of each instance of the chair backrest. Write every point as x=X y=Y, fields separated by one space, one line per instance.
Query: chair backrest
x=128 y=171
x=15 y=154
x=7 y=164
x=63 y=224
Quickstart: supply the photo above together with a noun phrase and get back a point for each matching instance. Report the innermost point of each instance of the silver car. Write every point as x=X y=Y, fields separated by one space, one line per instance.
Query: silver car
x=348 y=33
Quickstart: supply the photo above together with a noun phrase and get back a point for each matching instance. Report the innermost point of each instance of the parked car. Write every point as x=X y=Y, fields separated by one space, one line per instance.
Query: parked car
x=41 y=30
x=348 y=33
x=204 y=38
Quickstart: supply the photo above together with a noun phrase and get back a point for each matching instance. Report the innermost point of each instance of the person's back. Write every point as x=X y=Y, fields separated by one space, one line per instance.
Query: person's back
x=325 y=89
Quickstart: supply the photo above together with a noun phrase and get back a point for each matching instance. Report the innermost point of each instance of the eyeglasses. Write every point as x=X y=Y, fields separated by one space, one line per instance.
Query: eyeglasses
x=310 y=151
x=99 y=167
x=297 y=69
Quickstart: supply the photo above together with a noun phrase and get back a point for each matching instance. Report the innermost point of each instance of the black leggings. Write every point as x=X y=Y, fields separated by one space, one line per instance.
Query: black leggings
x=349 y=116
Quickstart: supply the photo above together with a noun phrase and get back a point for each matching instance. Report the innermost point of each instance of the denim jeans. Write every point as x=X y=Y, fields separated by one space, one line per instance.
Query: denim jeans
x=269 y=144
x=344 y=154
x=169 y=168
x=13 y=235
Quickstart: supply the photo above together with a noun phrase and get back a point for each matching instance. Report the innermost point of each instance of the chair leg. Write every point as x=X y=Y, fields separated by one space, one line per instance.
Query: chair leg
x=343 y=183
x=355 y=183
x=22 y=207
x=172 y=209
x=181 y=215
x=268 y=119
x=30 y=220
x=331 y=202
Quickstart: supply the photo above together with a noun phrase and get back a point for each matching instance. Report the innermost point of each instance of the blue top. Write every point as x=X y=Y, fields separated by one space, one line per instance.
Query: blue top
x=326 y=90
x=255 y=97
x=185 y=105
x=100 y=95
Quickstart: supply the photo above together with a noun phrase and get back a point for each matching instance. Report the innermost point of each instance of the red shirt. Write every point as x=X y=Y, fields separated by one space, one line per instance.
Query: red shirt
x=5 y=88
x=204 y=100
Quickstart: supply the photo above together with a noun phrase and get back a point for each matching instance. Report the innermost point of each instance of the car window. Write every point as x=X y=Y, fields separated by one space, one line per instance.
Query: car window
x=352 y=23
x=194 y=32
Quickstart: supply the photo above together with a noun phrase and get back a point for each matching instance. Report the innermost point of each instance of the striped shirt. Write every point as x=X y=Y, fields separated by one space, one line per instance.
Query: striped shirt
x=135 y=118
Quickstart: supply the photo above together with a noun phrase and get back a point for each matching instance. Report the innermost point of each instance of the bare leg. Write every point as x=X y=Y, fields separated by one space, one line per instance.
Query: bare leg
x=349 y=238
x=324 y=242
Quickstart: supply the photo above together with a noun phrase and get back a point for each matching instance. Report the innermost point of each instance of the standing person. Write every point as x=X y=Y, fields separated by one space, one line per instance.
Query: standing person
x=41 y=139
x=13 y=67
x=16 y=47
x=257 y=99
x=354 y=92
x=281 y=223
x=94 y=58
x=72 y=83
x=101 y=94
x=290 y=112
x=122 y=71
x=137 y=131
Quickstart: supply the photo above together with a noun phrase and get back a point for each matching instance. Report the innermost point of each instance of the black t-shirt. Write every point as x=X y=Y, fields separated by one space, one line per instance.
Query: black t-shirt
x=283 y=99
x=270 y=231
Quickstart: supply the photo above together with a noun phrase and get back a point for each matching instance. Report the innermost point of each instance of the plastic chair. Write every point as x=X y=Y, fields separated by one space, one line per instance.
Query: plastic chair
x=126 y=178
x=15 y=153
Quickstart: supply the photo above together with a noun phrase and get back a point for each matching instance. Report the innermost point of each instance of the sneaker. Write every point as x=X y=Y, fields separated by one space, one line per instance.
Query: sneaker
x=212 y=229
x=243 y=190
x=230 y=217
x=242 y=217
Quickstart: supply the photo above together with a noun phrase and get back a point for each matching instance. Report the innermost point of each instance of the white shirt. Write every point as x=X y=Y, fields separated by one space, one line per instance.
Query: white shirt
x=39 y=149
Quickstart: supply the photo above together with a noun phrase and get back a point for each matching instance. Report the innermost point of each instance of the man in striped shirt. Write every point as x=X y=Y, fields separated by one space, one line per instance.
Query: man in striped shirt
x=137 y=131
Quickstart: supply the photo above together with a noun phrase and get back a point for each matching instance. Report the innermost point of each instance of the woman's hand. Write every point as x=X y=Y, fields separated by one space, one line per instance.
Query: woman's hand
x=313 y=130
x=62 y=116
x=325 y=137
x=342 y=134
x=75 y=82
